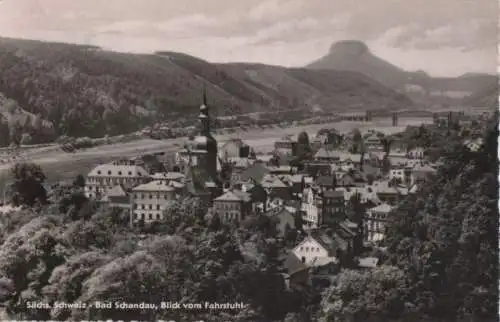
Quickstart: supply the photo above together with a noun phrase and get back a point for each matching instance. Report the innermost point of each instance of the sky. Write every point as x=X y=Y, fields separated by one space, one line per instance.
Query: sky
x=441 y=37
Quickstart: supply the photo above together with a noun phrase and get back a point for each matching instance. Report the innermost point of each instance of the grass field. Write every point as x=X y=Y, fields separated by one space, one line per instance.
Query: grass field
x=58 y=165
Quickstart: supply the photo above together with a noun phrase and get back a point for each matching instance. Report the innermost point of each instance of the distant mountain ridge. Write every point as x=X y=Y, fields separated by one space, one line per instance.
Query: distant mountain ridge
x=355 y=56
x=86 y=91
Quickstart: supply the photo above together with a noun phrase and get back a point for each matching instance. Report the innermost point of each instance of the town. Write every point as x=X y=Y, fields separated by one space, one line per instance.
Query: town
x=329 y=195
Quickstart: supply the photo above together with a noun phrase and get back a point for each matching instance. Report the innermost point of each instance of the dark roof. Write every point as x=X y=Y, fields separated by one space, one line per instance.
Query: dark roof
x=333 y=194
x=255 y=172
x=346 y=179
x=293 y=264
x=325 y=241
x=325 y=180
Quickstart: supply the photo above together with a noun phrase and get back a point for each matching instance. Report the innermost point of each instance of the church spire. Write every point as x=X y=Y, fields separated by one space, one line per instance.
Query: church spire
x=204 y=95
x=204 y=117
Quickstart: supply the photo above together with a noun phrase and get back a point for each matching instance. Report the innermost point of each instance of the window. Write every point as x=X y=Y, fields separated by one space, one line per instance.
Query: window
x=301 y=248
x=150 y=207
x=317 y=249
x=135 y=206
x=119 y=173
x=307 y=249
x=150 y=196
x=157 y=207
x=130 y=173
x=98 y=171
x=109 y=172
x=158 y=216
x=143 y=207
x=150 y=216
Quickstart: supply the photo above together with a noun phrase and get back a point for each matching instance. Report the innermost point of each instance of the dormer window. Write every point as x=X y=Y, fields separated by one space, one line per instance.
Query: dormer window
x=130 y=173
x=119 y=173
x=109 y=172
x=98 y=171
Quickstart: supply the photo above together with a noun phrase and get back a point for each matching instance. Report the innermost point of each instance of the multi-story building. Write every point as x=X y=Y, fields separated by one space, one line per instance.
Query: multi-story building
x=150 y=200
x=417 y=153
x=233 y=206
x=375 y=222
x=106 y=176
x=322 y=207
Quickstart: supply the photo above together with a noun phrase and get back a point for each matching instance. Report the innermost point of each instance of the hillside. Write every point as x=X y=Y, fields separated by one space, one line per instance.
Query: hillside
x=485 y=98
x=351 y=55
x=85 y=91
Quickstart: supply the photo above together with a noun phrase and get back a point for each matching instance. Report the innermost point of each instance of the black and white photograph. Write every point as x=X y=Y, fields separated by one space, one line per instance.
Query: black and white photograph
x=249 y=161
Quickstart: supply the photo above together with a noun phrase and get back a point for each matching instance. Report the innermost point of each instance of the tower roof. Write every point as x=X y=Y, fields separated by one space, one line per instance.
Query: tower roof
x=204 y=105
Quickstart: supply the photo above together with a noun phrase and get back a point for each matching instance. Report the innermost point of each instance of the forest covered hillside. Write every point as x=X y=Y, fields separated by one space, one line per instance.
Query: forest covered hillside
x=85 y=91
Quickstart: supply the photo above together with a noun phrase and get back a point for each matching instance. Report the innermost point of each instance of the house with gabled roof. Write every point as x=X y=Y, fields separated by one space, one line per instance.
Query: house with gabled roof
x=233 y=206
x=117 y=197
x=276 y=188
x=327 y=156
x=323 y=247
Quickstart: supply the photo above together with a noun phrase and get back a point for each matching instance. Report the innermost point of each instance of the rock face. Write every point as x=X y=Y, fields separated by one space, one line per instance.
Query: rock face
x=356 y=56
x=349 y=47
x=353 y=55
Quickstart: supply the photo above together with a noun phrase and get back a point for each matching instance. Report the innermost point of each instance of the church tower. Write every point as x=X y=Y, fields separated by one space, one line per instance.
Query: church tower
x=208 y=142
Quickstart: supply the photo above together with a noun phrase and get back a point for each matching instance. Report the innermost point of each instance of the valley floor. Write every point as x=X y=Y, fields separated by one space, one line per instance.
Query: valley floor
x=59 y=165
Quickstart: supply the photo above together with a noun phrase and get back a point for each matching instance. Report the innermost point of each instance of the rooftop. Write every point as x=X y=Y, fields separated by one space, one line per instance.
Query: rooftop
x=154 y=186
x=114 y=170
x=383 y=208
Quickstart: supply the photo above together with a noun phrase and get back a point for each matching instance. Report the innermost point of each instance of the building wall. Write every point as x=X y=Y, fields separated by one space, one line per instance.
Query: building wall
x=333 y=210
x=308 y=250
x=99 y=185
x=150 y=206
x=231 y=211
x=375 y=223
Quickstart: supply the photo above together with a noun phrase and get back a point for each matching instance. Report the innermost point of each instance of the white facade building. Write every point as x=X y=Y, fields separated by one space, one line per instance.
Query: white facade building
x=309 y=250
x=106 y=176
x=150 y=200
x=376 y=221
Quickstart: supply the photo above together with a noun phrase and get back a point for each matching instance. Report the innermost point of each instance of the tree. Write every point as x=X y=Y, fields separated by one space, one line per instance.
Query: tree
x=372 y=295
x=27 y=187
x=28 y=257
x=79 y=181
x=357 y=137
x=304 y=151
x=136 y=278
x=445 y=239
x=65 y=282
